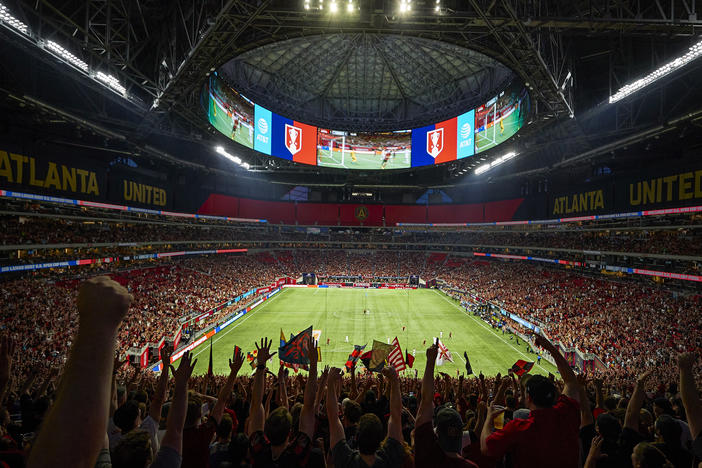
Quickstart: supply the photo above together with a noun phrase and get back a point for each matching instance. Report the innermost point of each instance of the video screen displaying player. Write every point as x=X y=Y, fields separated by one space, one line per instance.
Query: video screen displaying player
x=501 y=117
x=391 y=150
x=229 y=112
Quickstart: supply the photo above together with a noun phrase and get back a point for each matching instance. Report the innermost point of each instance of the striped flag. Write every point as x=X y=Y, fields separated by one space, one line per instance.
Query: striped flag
x=443 y=355
x=395 y=358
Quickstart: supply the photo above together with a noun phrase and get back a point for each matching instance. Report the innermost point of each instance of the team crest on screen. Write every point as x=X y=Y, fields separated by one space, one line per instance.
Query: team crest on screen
x=293 y=138
x=435 y=142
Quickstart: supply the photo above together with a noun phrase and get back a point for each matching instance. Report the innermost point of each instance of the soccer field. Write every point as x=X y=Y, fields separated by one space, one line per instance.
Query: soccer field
x=334 y=158
x=493 y=136
x=339 y=313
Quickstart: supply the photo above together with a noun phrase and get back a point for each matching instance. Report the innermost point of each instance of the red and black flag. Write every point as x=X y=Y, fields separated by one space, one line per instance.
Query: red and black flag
x=469 y=369
x=365 y=358
x=353 y=357
x=409 y=359
x=209 y=366
x=521 y=367
x=296 y=350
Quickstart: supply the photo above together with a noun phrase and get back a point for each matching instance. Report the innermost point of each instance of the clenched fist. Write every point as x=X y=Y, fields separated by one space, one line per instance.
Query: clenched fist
x=102 y=304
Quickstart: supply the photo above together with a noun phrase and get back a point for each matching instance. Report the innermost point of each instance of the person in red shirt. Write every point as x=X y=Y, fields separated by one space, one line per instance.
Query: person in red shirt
x=443 y=447
x=549 y=437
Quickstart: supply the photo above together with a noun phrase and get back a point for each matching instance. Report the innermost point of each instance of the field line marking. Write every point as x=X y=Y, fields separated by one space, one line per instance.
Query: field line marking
x=443 y=296
x=232 y=328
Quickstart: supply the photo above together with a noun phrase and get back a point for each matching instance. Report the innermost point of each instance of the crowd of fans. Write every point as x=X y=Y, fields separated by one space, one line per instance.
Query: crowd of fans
x=23 y=230
x=630 y=326
x=340 y=419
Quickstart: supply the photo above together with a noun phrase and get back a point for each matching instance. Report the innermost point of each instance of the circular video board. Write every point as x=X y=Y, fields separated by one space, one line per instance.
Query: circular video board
x=463 y=136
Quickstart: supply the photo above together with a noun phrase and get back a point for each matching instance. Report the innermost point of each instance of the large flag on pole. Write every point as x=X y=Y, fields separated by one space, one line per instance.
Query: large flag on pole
x=395 y=357
x=295 y=351
x=353 y=357
x=443 y=355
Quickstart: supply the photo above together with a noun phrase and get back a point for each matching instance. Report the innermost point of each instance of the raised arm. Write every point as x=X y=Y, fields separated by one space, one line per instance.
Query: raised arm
x=234 y=365
x=631 y=418
x=599 y=394
x=395 y=421
x=257 y=415
x=570 y=389
x=307 y=415
x=585 y=413
x=690 y=397
x=489 y=426
x=179 y=406
x=162 y=386
x=84 y=397
x=336 y=429
x=426 y=405
x=354 y=388
x=282 y=388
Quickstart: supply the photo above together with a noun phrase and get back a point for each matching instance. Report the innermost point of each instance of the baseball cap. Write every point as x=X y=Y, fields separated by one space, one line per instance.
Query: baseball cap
x=541 y=390
x=449 y=430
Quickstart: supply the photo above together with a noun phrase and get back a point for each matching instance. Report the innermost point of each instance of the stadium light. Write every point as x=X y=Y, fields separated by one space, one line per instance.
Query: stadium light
x=349 y=6
x=11 y=21
x=502 y=159
x=111 y=82
x=235 y=159
x=66 y=55
x=694 y=52
x=333 y=7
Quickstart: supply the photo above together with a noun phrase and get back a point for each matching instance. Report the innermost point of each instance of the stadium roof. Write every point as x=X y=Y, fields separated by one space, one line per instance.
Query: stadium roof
x=366 y=81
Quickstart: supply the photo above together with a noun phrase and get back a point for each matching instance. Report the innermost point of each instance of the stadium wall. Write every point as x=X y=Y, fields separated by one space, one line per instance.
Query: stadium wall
x=49 y=171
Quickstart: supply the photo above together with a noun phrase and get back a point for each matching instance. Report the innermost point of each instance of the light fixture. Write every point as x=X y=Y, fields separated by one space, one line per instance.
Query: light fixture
x=694 y=52
x=565 y=82
x=496 y=162
x=112 y=82
x=66 y=55
x=349 y=6
x=11 y=21
x=333 y=7
x=235 y=159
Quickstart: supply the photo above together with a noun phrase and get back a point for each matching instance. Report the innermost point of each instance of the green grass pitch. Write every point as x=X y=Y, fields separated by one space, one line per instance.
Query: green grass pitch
x=339 y=313
x=364 y=161
x=512 y=123
x=221 y=121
